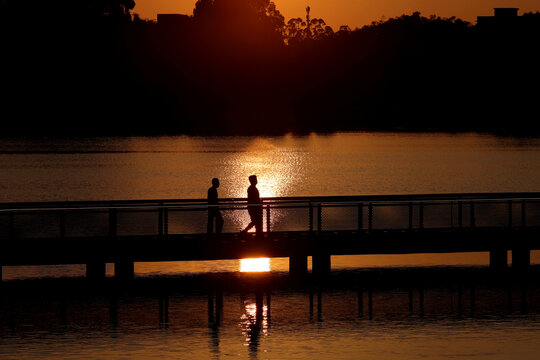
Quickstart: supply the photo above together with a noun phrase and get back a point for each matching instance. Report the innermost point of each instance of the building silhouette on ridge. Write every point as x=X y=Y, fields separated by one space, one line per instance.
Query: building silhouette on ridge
x=502 y=17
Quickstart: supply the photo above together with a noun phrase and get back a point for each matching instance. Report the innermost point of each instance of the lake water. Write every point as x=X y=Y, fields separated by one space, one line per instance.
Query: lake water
x=446 y=325
x=339 y=164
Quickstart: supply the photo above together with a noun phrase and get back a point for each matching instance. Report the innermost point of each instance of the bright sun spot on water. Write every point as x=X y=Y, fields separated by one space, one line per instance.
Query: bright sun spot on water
x=255 y=265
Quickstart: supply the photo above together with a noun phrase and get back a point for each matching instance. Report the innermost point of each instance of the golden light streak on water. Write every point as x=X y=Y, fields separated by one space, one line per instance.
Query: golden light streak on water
x=255 y=265
x=278 y=165
x=276 y=162
x=254 y=323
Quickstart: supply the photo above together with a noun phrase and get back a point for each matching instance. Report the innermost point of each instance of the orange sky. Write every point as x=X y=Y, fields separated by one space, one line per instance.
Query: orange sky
x=356 y=13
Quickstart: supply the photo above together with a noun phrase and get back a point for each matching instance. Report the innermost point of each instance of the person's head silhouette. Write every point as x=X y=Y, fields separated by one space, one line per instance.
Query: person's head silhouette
x=253 y=180
x=215 y=182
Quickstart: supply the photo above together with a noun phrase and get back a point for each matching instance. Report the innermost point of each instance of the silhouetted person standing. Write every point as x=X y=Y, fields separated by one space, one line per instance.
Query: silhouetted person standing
x=213 y=210
x=255 y=212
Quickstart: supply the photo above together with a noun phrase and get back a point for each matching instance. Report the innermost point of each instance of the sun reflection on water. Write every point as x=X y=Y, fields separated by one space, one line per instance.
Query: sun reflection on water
x=279 y=169
x=254 y=323
x=276 y=163
x=255 y=265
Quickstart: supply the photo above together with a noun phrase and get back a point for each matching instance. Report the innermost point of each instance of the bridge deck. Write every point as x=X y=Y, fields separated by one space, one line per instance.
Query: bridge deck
x=175 y=230
x=152 y=248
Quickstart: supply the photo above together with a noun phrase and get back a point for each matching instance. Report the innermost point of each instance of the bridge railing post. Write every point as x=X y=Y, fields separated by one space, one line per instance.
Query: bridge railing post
x=62 y=220
x=11 y=225
x=360 y=216
x=510 y=213
x=319 y=217
x=166 y=222
x=410 y=216
x=523 y=214
x=370 y=216
x=421 y=215
x=310 y=216
x=460 y=215
x=473 y=217
x=160 y=220
x=451 y=214
x=268 y=218
x=113 y=223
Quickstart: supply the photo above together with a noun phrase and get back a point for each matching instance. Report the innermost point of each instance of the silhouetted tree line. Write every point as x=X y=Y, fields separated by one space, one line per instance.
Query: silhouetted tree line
x=93 y=67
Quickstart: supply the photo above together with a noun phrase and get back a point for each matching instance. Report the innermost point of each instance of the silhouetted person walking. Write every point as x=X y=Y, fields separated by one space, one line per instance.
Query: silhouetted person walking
x=213 y=210
x=255 y=212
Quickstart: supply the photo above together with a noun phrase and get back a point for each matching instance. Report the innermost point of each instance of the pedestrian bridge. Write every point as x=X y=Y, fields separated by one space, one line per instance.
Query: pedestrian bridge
x=124 y=232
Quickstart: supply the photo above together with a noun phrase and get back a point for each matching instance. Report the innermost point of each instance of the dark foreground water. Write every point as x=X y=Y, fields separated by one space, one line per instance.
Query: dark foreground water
x=257 y=318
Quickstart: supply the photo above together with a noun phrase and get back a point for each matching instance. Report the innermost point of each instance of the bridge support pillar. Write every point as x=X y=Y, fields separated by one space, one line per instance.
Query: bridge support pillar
x=521 y=259
x=498 y=259
x=298 y=265
x=124 y=270
x=95 y=270
x=321 y=264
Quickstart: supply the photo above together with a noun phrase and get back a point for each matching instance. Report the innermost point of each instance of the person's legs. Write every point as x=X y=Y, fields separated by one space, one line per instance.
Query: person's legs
x=259 y=228
x=250 y=225
x=259 y=225
x=256 y=216
x=253 y=222
x=219 y=223
x=210 y=225
x=258 y=220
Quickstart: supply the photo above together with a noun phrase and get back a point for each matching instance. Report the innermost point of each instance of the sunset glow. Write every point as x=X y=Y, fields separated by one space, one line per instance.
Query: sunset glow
x=156 y=153
x=255 y=265
x=354 y=13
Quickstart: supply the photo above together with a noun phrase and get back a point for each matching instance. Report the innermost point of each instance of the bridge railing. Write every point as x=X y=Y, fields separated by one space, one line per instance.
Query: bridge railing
x=183 y=217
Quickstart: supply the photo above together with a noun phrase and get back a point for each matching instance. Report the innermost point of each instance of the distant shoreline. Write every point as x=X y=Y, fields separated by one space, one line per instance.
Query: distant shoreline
x=517 y=134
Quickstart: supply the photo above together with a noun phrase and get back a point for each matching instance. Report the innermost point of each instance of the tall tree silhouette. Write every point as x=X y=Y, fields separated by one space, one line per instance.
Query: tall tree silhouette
x=248 y=22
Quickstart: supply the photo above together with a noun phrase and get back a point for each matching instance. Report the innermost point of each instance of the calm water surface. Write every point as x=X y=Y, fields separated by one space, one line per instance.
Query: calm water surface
x=285 y=330
x=340 y=164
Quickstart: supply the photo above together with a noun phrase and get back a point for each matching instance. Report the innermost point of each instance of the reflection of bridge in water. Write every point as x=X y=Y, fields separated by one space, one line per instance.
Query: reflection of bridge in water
x=443 y=294
x=124 y=232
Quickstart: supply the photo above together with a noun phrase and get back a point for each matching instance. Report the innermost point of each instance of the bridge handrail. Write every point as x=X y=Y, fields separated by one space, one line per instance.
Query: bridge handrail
x=274 y=202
